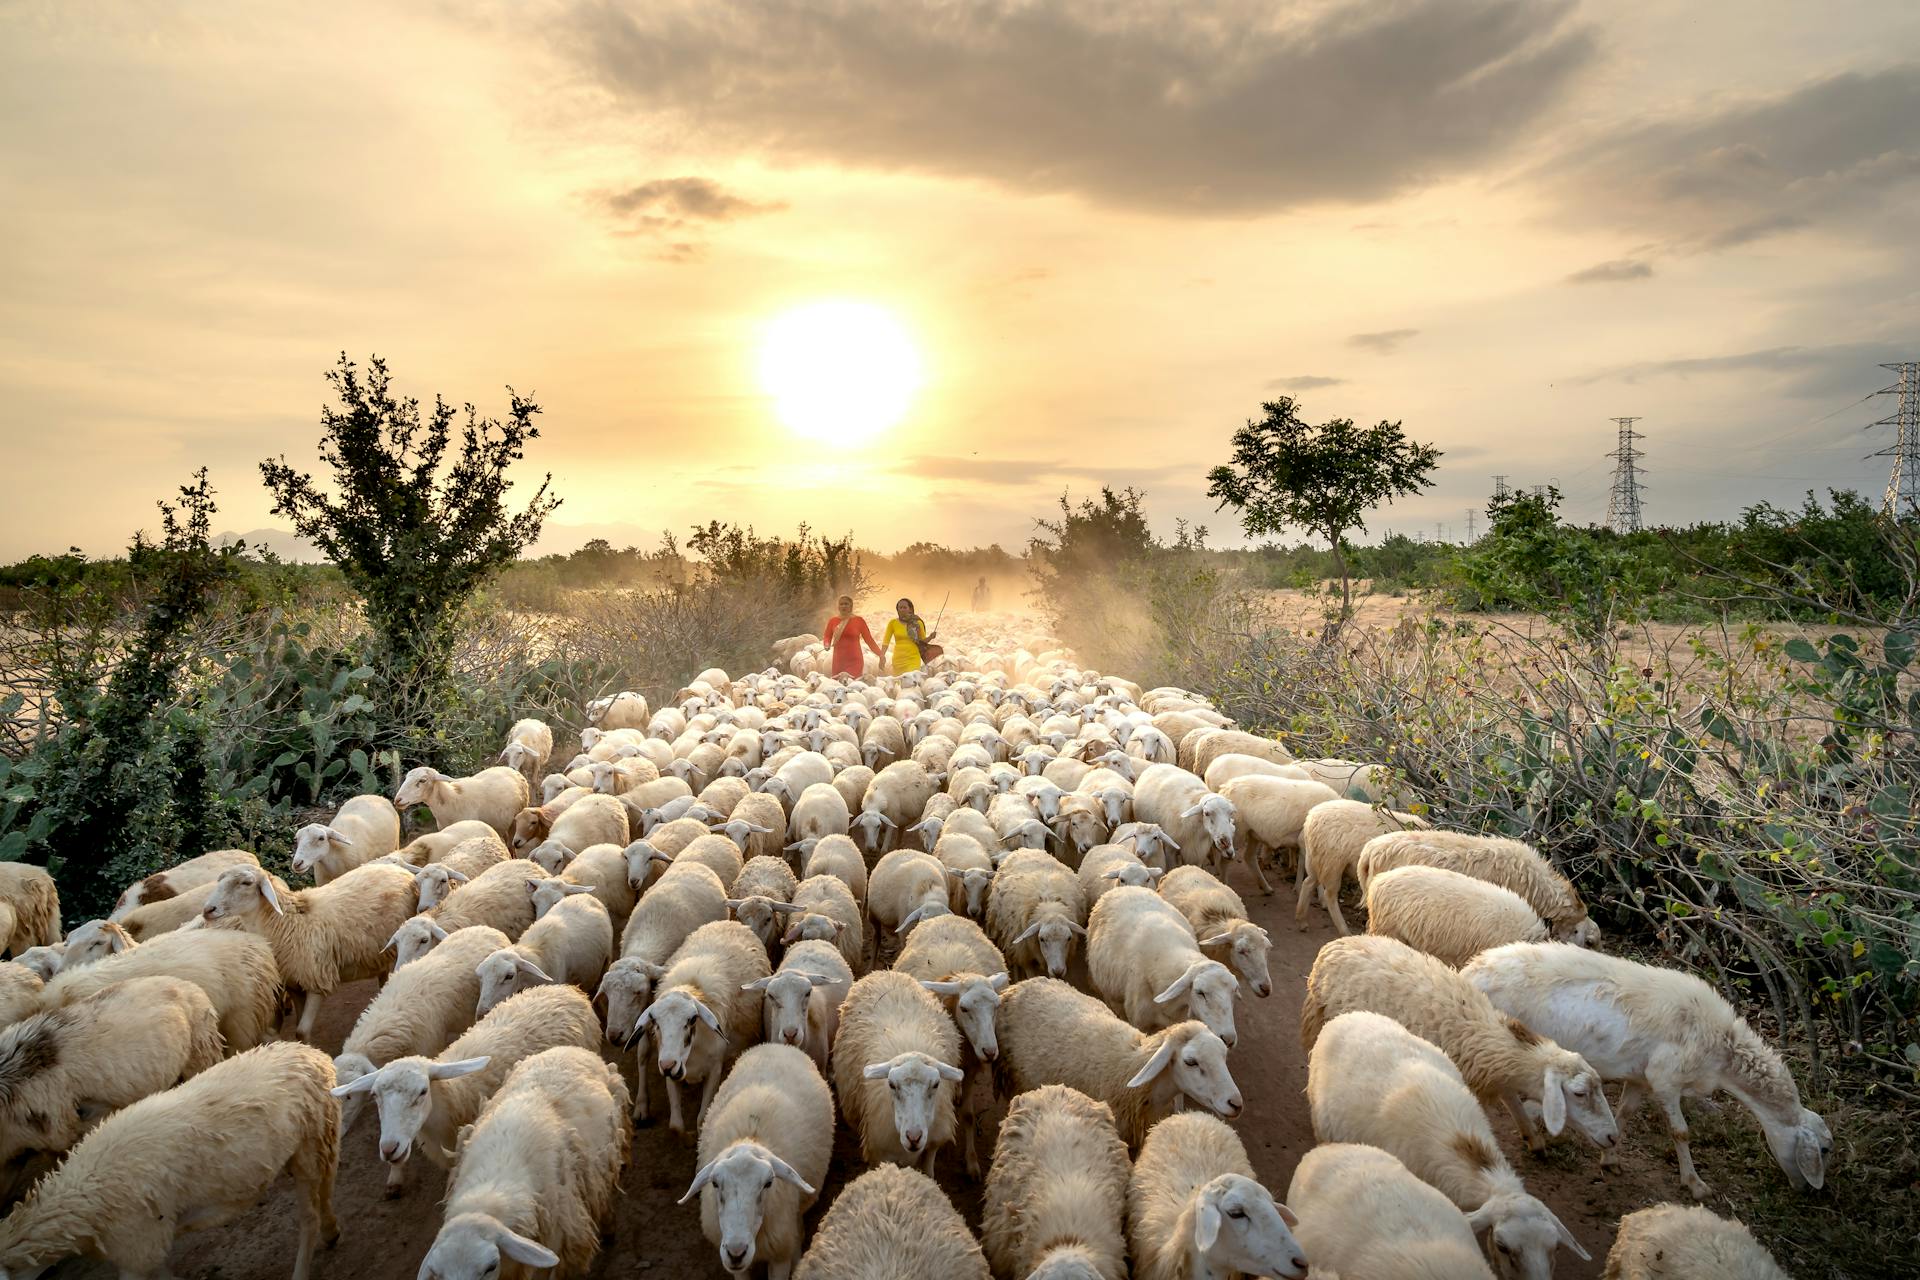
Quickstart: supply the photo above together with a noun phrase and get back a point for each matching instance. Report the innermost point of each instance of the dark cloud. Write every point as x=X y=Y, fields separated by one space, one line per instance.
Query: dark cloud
x=1304 y=382
x=1612 y=272
x=1157 y=104
x=1816 y=373
x=678 y=201
x=1383 y=343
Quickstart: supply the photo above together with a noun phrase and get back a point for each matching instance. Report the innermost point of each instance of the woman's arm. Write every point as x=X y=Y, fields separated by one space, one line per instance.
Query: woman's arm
x=867 y=635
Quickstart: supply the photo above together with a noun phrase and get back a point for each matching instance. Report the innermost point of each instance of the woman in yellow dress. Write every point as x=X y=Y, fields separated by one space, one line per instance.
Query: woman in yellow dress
x=904 y=635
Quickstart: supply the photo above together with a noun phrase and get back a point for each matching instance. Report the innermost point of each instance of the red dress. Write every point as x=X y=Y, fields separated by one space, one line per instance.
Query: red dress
x=846 y=646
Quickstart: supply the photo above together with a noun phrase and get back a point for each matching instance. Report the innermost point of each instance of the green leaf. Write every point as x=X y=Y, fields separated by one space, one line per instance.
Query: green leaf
x=284 y=759
x=1800 y=651
x=1899 y=646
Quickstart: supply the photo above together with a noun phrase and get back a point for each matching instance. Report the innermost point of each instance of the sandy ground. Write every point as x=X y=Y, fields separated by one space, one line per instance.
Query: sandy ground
x=650 y=1235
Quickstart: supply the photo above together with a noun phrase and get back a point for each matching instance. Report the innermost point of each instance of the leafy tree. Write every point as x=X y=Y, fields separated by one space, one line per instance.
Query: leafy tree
x=1323 y=479
x=414 y=530
x=1529 y=560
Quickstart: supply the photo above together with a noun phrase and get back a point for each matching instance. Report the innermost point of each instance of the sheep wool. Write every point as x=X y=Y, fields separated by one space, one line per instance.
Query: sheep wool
x=20 y=989
x=890 y=1223
x=27 y=893
x=236 y=970
x=179 y=878
x=888 y=1017
x=1507 y=863
x=1057 y=1187
x=1672 y=1242
x=1331 y=841
x=1451 y=917
x=1362 y=1214
x=1194 y=1170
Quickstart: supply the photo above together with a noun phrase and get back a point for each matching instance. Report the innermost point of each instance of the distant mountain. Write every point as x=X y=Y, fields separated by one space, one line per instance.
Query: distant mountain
x=284 y=543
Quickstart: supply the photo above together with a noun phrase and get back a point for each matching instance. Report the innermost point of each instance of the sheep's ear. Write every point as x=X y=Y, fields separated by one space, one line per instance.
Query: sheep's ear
x=734 y=904
x=362 y=1085
x=1206 y=1226
x=758 y=984
x=941 y=988
x=439 y=934
x=1216 y=940
x=530 y=1253
x=781 y=1169
x=1482 y=1218
x=700 y=1179
x=1566 y=1238
x=1553 y=1102
x=393 y=943
x=999 y=981
x=707 y=1016
x=273 y=899
x=533 y=887
x=1809 y=1159
x=449 y=1070
x=654 y=855
x=453 y=873
x=1155 y=1065
x=1180 y=984
x=531 y=969
x=876 y=1070
x=950 y=1072
x=1114 y=873
x=1028 y=933
x=334 y=837
x=1292 y=1219
x=1079 y=931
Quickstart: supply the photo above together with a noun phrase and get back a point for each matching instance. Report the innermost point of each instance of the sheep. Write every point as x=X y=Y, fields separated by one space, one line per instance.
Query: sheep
x=1015 y=824
x=758 y=825
x=819 y=811
x=852 y=783
x=793 y=776
x=971 y=822
x=801 y=1000
x=419 y=1011
x=587 y=820
x=600 y=870
x=1499 y=1058
x=1198 y=823
x=763 y=886
x=1449 y=916
x=493 y=796
x=722 y=794
x=571 y=943
x=1212 y=746
x=497 y=897
x=627 y=710
x=1035 y=911
x=1331 y=841
x=643 y=799
x=1269 y=813
x=838 y=856
x=1370 y=1080
x=20 y=989
x=1224 y=769
x=762 y=1159
x=1194 y=1208
x=900 y=791
x=535 y=1181
x=1108 y=866
x=614 y=778
x=905 y=886
x=460 y=864
x=175 y=880
x=60 y=1071
x=176 y=1161
x=717 y=852
x=1507 y=863
x=888 y=1223
x=1055 y=1195
x=1360 y=1213
x=969 y=873
x=362 y=829
x=706 y=1008
x=29 y=907
x=1662 y=1031
x=895 y=1062
x=432 y=846
x=236 y=970
x=529 y=747
x=1669 y=1241
x=824 y=909
x=426 y=1101
x=1147 y=965
x=953 y=958
x=1053 y=1034
x=1371 y=783
x=1219 y=919
x=45 y=961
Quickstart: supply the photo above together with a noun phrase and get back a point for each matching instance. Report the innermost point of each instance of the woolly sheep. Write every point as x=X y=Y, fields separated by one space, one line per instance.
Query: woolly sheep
x=177 y=879
x=1194 y=1208
x=432 y=846
x=969 y=873
x=801 y=1000
x=717 y=852
x=1224 y=769
x=1053 y=1034
x=1662 y=1031
x=1233 y=742
x=45 y=961
x=1196 y=822
x=1331 y=841
x=426 y=1101
x=493 y=796
x=1269 y=814
x=322 y=938
x=362 y=829
x=705 y=1009
x=758 y=825
x=896 y=1060
x=1498 y=1057
x=837 y=856
x=1015 y=823
x=1035 y=912
x=1219 y=920
x=459 y=865
x=529 y=747
x=1451 y=917
x=30 y=903
x=175 y=1160
x=1055 y=1196
x=722 y=794
x=614 y=778
x=888 y=1223
x=762 y=1159
x=1108 y=866
x=20 y=989
x=600 y=870
x=537 y=1173
x=1360 y=1213
x=1507 y=863
x=763 y=886
x=904 y=886
x=587 y=821
x=823 y=909
x=627 y=710
x=497 y=897
x=91 y=943
x=573 y=943
x=1145 y=962
x=1670 y=1241
x=900 y=792
x=953 y=958
x=236 y=970
x=1353 y=780
x=1372 y=1081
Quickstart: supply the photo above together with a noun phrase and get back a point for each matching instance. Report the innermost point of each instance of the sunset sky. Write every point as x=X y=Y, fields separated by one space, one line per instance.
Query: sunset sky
x=1107 y=230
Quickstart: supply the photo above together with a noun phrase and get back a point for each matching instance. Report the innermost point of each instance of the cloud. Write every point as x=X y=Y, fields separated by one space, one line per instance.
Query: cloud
x=1383 y=343
x=1847 y=368
x=1031 y=471
x=1611 y=272
x=1156 y=104
x=1304 y=382
x=679 y=201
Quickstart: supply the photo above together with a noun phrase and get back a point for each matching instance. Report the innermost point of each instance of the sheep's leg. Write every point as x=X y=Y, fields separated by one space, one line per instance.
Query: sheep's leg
x=708 y=1088
x=642 y=1095
x=1536 y=1143
x=1630 y=1101
x=675 y=1121
x=309 y=1014
x=1304 y=885
x=1259 y=872
x=1677 y=1126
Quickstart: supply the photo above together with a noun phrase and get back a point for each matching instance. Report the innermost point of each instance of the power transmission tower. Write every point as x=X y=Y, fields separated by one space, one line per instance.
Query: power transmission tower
x=1623 y=506
x=1500 y=490
x=1540 y=492
x=1439 y=532
x=1470 y=515
x=1903 y=486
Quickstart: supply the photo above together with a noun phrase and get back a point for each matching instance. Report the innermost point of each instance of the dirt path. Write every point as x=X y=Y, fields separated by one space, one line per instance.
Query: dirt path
x=652 y=1236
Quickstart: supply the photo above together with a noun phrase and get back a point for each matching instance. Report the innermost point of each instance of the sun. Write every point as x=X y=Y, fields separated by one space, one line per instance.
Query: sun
x=840 y=371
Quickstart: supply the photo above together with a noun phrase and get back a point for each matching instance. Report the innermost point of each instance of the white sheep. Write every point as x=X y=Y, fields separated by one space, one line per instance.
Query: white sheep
x=1223 y=769
x=600 y=870
x=1219 y=919
x=1147 y=965
x=176 y=1161
x=626 y=710
x=45 y=961
x=1108 y=866
x=236 y=970
x=1053 y=1034
x=969 y=873
x=492 y=796
x=20 y=992
x=1670 y=1241
x=529 y=747
x=706 y=1009
x=1372 y=783
x=890 y=1223
x=1662 y=1031
x=905 y=886
x=1361 y=1213
x=431 y=846
x=899 y=792
x=801 y=999
x=577 y=823
x=176 y=880
x=572 y=943
x=1194 y=1208
x=758 y=825
x=322 y=938
x=456 y=864
x=836 y=856
x=714 y=851
x=1449 y=916
x=1370 y=1080
x=538 y=1172
x=824 y=909
x=497 y=897
x=763 y=1158
x=763 y=886
x=1507 y=863
x=954 y=959
x=1198 y=823
x=1035 y=912
x=1210 y=747
x=722 y=794
x=1269 y=814
x=1499 y=1058
x=362 y=829
x=29 y=907
x=896 y=1060
x=1331 y=841
x=1057 y=1191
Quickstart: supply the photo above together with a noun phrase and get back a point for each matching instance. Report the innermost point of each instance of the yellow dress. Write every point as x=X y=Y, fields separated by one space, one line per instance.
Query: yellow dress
x=906 y=654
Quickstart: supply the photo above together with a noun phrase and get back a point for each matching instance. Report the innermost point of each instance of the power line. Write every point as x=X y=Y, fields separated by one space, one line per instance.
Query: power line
x=1623 y=505
x=1903 y=486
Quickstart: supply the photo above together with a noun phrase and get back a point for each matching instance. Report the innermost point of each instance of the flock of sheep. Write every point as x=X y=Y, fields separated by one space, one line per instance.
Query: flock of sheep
x=802 y=902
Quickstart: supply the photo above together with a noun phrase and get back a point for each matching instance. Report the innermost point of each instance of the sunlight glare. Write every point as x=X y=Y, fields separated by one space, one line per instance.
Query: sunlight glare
x=840 y=372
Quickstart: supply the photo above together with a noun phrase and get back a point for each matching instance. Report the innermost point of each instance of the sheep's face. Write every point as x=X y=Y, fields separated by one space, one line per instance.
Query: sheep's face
x=759 y=914
x=596 y=711
x=1029 y=833
x=433 y=883
x=737 y=1184
x=91 y=942
x=551 y=786
x=1113 y=804
x=928 y=829
x=1082 y=830
x=47 y=961
x=1247 y=946
x=414 y=939
x=520 y=757
x=1199 y=1066
x=811 y=928
x=1583 y=933
x=977 y=795
x=627 y=988
x=976 y=1011
x=551 y=856
x=870 y=828
x=1570 y=1091
x=530 y=827
x=918 y=1083
x=313 y=842
x=1239 y=1227
x=1522 y=1234
x=1207 y=988
x=682 y=1026
x=1046 y=798
x=402 y=1092
x=1216 y=815
x=417 y=788
x=471 y=1245
x=1800 y=1148
x=1053 y=939
x=974 y=883
x=239 y=892
x=784 y=1009
x=503 y=974
x=546 y=894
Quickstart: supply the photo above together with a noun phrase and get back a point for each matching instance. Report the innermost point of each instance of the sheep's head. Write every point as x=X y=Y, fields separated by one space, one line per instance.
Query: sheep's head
x=1208 y=989
x=551 y=786
x=760 y=914
x=739 y=1179
x=434 y=882
x=1246 y=946
x=547 y=893
x=1082 y=828
x=1045 y=796
x=530 y=827
x=928 y=829
x=784 y=999
x=812 y=927
x=1522 y=1234
x=870 y=827
x=504 y=973
x=47 y=961
x=977 y=795
x=1570 y=1090
x=240 y=892
x=596 y=711
x=916 y=1081
x=1583 y=931
x=973 y=882
x=402 y=1090
x=627 y=989
x=1028 y=833
x=1053 y=938
x=471 y=1245
x=1800 y=1147
x=1216 y=818
x=642 y=859
x=347 y=1068
x=680 y=1023
x=1239 y=1228
x=609 y=779
x=313 y=842
x=414 y=939
x=1197 y=1061
x=974 y=1002
x=91 y=942
x=418 y=787
x=780 y=789
x=518 y=755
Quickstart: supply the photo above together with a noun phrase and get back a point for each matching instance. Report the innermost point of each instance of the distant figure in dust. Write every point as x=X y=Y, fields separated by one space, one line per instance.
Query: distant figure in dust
x=844 y=634
x=982 y=596
x=905 y=634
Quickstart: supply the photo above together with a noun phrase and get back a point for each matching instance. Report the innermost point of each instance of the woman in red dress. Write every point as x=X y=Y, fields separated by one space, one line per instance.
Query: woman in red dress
x=844 y=634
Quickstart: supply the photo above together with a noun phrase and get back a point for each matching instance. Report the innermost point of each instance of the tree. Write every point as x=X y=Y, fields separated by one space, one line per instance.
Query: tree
x=1323 y=479
x=416 y=533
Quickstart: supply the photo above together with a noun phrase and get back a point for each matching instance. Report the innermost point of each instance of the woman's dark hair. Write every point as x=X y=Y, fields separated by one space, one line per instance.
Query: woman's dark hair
x=844 y=599
x=904 y=601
